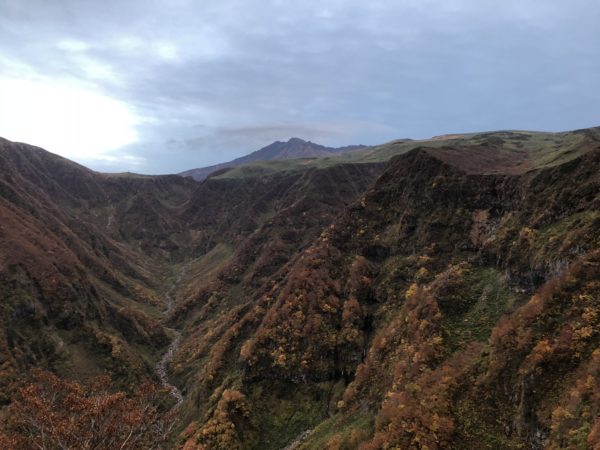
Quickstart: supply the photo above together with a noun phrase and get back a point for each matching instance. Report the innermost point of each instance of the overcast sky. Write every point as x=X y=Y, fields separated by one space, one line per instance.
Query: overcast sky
x=166 y=85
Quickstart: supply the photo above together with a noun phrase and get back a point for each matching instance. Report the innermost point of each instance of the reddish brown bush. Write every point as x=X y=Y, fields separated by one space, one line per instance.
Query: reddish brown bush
x=52 y=413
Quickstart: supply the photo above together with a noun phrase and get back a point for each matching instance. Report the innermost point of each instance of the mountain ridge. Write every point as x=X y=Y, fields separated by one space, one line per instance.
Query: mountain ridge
x=291 y=149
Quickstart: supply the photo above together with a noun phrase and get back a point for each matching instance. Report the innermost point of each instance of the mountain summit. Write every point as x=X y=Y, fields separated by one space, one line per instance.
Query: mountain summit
x=292 y=149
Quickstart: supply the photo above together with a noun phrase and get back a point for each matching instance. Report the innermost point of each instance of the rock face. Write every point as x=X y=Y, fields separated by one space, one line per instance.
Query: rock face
x=294 y=148
x=446 y=298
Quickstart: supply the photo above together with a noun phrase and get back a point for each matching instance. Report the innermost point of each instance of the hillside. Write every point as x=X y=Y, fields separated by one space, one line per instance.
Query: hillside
x=294 y=148
x=76 y=275
x=415 y=296
x=493 y=152
x=438 y=294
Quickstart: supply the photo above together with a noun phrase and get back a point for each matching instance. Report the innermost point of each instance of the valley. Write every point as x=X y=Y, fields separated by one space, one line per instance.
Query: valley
x=433 y=294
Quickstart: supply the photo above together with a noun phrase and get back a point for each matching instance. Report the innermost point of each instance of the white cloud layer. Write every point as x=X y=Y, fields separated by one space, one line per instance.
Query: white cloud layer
x=70 y=121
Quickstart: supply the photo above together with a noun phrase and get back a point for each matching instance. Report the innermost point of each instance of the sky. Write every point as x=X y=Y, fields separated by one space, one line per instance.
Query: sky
x=161 y=86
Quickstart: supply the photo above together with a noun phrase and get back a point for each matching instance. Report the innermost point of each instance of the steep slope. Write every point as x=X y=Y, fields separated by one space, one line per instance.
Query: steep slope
x=74 y=298
x=292 y=149
x=409 y=321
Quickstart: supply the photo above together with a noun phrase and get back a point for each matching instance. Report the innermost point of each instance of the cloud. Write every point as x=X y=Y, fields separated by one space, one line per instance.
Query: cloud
x=332 y=71
x=72 y=45
x=67 y=120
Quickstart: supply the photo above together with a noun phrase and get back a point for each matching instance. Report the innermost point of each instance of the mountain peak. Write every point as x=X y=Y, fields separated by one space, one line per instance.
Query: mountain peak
x=294 y=148
x=295 y=140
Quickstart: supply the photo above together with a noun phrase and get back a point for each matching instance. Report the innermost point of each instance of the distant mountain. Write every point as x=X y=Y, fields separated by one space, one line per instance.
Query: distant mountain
x=292 y=149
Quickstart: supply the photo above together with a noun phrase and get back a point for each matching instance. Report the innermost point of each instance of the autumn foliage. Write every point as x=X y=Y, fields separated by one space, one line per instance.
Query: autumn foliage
x=229 y=427
x=298 y=337
x=552 y=343
x=415 y=409
x=53 y=413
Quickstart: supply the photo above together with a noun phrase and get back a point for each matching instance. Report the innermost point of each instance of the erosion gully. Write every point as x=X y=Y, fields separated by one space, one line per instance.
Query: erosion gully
x=161 y=366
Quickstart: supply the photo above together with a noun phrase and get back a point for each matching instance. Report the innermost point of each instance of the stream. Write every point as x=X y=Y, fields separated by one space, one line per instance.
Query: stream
x=161 y=367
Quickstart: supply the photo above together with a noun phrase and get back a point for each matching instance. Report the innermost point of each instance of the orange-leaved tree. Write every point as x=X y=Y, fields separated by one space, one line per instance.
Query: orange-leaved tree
x=53 y=413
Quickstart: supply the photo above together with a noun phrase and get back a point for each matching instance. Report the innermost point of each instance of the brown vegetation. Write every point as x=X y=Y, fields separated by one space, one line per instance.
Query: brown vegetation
x=52 y=413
